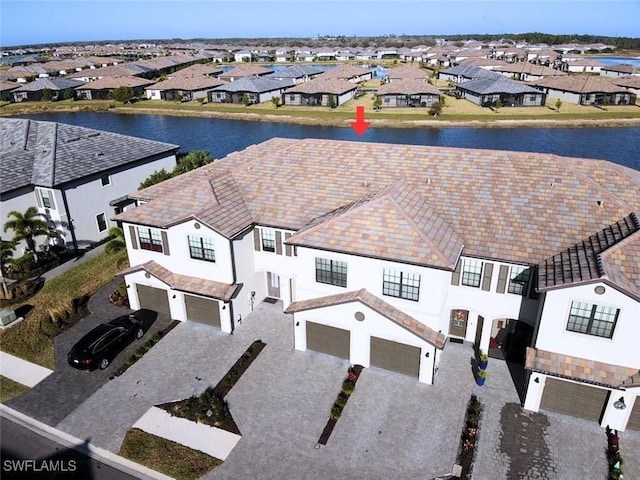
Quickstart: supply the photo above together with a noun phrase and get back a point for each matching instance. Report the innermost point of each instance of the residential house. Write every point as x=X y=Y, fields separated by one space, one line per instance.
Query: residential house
x=102 y=88
x=585 y=90
x=297 y=73
x=122 y=70
x=183 y=87
x=243 y=56
x=256 y=89
x=58 y=87
x=630 y=82
x=350 y=73
x=406 y=72
x=77 y=177
x=243 y=71
x=528 y=72
x=5 y=90
x=487 y=91
x=581 y=65
x=448 y=256
x=543 y=56
x=198 y=69
x=319 y=91
x=387 y=52
x=486 y=63
x=408 y=93
x=326 y=54
x=366 y=55
x=345 y=55
x=620 y=70
x=464 y=73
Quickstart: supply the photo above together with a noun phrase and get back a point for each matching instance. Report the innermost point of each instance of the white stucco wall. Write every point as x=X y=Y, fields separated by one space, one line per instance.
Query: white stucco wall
x=622 y=349
x=374 y=324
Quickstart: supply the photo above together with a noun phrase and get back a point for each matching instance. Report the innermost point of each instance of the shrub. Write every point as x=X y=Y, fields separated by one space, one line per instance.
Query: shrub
x=436 y=109
x=348 y=386
x=24 y=264
x=342 y=399
x=119 y=296
x=336 y=411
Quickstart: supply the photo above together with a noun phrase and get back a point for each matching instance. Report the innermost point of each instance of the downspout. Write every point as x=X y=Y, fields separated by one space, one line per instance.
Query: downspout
x=71 y=227
x=233 y=271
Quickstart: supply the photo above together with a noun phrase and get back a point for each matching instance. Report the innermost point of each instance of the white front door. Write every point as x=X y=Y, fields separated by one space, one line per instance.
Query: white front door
x=273 y=285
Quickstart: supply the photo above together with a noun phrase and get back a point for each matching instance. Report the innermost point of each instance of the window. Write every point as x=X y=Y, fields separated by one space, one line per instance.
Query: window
x=401 y=284
x=471 y=273
x=47 y=199
x=202 y=249
x=102 y=222
x=150 y=239
x=331 y=272
x=592 y=319
x=519 y=280
x=268 y=240
x=105 y=180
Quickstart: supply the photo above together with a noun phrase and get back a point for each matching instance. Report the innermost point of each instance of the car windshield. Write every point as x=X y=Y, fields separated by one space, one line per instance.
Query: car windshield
x=94 y=335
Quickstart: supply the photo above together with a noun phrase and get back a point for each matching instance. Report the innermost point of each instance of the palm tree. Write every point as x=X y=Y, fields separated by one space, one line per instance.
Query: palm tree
x=27 y=226
x=118 y=242
x=6 y=252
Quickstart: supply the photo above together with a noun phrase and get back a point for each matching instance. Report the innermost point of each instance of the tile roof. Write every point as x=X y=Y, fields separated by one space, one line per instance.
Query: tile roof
x=197 y=70
x=383 y=308
x=492 y=85
x=245 y=71
x=253 y=84
x=623 y=68
x=334 y=86
x=486 y=62
x=51 y=83
x=531 y=69
x=626 y=81
x=469 y=71
x=186 y=283
x=612 y=253
x=407 y=72
x=297 y=71
x=114 y=82
x=394 y=223
x=582 y=369
x=501 y=203
x=345 y=72
x=121 y=70
x=186 y=83
x=50 y=154
x=580 y=84
x=7 y=86
x=408 y=87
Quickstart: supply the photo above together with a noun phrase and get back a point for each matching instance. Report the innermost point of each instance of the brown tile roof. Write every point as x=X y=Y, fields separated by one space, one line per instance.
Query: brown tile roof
x=115 y=82
x=626 y=81
x=408 y=87
x=335 y=86
x=394 y=223
x=483 y=62
x=5 y=86
x=108 y=71
x=196 y=70
x=245 y=71
x=517 y=206
x=612 y=253
x=185 y=283
x=187 y=83
x=345 y=72
x=383 y=308
x=408 y=72
x=623 y=68
x=579 y=368
x=531 y=69
x=579 y=84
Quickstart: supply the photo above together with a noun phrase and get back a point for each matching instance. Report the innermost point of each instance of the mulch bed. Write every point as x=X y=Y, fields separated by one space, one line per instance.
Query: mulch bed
x=469 y=437
x=227 y=382
x=348 y=386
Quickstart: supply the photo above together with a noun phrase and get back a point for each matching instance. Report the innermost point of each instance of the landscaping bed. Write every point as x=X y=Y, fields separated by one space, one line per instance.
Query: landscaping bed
x=469 y=437
x=10 y=389
x=348 y=386
x=166 y=456
x=210 y=407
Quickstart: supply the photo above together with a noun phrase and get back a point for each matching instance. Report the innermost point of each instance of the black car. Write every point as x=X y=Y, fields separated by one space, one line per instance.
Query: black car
x=99 y=347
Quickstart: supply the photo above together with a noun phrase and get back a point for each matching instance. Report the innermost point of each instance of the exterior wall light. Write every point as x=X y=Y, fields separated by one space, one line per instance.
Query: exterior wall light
x=619 y=404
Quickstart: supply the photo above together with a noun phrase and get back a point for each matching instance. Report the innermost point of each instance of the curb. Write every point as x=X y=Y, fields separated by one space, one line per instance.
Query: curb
x=91 y=451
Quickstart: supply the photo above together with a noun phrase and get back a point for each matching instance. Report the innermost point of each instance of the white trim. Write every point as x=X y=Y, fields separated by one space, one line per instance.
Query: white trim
x=103 y=185
x=106 y=223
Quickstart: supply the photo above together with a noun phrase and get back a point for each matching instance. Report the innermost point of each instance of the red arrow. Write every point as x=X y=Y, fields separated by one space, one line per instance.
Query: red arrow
x=360 y=126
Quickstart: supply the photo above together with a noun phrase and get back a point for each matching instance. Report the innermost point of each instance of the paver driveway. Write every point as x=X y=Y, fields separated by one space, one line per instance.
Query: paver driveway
x=67 y=388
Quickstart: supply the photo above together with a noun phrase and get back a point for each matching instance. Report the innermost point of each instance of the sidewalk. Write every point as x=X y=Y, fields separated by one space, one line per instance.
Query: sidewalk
x=69 y=264
x=21 y=371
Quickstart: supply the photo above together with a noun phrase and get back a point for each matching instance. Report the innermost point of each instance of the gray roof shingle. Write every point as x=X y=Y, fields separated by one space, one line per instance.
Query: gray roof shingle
x=487 y=86
x=50 y=154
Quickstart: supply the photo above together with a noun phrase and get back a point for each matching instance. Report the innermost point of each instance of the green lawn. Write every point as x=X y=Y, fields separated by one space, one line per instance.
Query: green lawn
x=27 y=340
x=165 y=456
x=10 y=389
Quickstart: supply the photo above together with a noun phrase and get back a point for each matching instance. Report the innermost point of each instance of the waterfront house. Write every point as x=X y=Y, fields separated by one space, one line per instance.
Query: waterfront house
x=408 y=93
x=297 y=73
x=630 y=82
x=256 y=89
x=102 y=88
x=58 y=88
x=586 y=90
x=122 y=70
x=243 y=71
x=464 y=73
x=620 y=70
x=406 y=72
x=527 y=72
x=183 y=87
x=77 y=177
x=581 y=65
x=350 y=73
x=197 y=70
x=481 y=246
x=487 y=91
x=318 y=92
x=5 y=90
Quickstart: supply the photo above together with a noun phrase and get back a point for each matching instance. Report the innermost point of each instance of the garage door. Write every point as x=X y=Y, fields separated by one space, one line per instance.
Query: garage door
x=574 y=399
x=634 y=419
x=153 y=299
x=395 y=356
x=202 y=310
x=331 y=340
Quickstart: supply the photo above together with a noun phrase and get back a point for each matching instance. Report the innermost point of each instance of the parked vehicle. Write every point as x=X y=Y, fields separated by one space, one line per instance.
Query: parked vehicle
x=99 y=347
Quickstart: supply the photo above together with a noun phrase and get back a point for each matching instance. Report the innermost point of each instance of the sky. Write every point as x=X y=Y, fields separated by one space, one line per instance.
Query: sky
x=51 y=21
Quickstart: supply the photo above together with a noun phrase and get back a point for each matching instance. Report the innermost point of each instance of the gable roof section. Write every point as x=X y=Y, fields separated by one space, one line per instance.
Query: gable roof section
x=115 y=82
x=612 y=253
x=501 y=84
x=50 y=154
x=334 y=86
x=49 y=83
x=245 y=71
x=253 y=84
x=186 y=283
x=580 y=84
x=187 y=83
x=383 y=308
x=470 y=71
x=394 y=223
x=407 y=72
x=297 y=71
x=408 y=87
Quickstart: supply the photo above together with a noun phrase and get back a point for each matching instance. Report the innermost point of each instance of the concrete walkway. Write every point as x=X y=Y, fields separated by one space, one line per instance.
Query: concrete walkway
x=21 y=371
x=69 y=264
x=211 y=440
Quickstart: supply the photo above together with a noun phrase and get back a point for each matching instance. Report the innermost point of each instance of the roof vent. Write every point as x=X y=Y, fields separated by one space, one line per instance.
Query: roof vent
x=428 y=181
x=99 y=154
x=365 y=183
x=600 y=203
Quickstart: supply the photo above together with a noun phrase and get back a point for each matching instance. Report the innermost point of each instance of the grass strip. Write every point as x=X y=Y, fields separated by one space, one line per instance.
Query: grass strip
x=10 y=389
